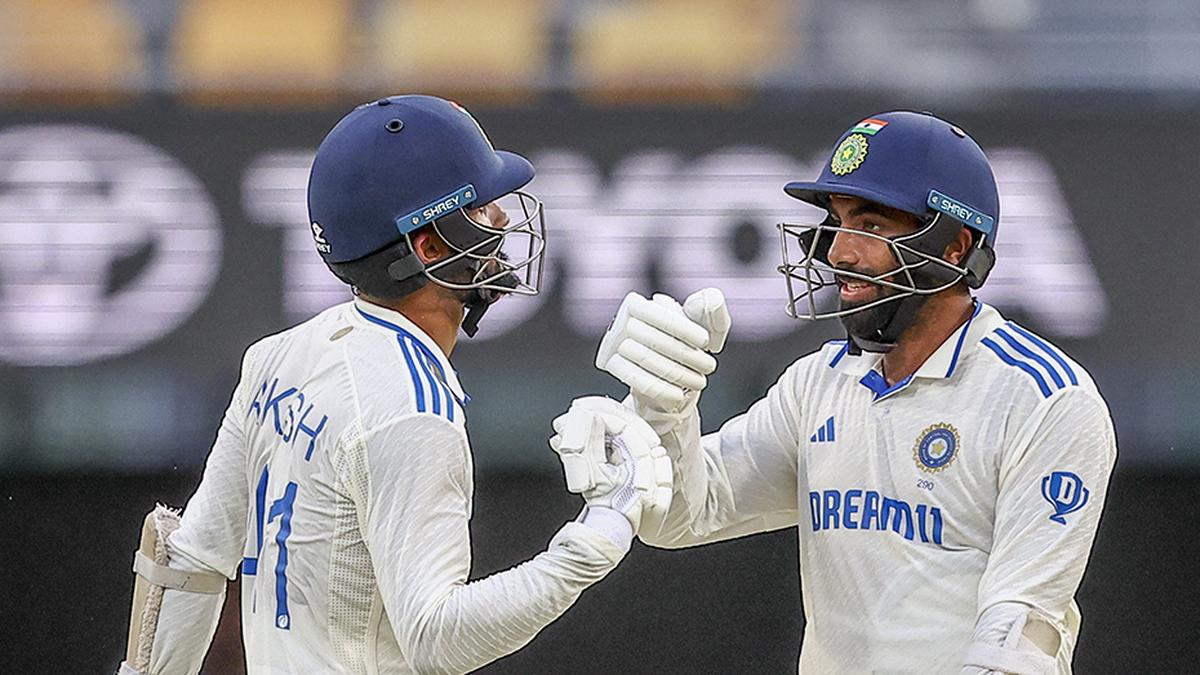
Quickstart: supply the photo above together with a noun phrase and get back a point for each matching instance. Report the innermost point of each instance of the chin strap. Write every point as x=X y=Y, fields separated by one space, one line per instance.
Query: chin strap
x=475 y=311
x=481 y=300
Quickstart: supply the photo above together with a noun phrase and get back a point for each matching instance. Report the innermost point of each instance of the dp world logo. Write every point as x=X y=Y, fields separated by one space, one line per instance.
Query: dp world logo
x=106 y=244
x=1066 y=494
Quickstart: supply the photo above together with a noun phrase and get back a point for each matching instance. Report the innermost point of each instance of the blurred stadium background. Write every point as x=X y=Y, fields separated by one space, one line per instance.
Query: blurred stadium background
x=153 y=157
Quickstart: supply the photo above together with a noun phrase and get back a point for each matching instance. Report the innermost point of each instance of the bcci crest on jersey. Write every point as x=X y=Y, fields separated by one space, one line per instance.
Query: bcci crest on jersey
x=1066 y=493
x=936 y=447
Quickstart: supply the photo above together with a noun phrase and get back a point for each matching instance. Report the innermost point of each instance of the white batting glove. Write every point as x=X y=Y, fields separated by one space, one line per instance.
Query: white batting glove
x=664 y=351
x=615 y=460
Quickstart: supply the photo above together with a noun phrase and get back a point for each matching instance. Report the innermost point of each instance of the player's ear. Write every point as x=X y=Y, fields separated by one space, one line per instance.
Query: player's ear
x=956 y=250
x=428 y=245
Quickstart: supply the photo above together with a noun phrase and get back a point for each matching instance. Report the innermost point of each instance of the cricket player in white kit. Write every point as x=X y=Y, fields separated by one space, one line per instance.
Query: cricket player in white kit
x=340 y=482
x=946 y=467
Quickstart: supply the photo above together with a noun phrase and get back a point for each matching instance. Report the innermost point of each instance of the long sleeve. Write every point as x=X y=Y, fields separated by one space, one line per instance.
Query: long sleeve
x=210 y=538
x=739 y=480
x=416 y=529
x=1053 y=483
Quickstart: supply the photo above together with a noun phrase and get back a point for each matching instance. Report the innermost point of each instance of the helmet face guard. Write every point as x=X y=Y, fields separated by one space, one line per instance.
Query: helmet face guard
x=913 y=162
x=920 y=269
x=498 y=260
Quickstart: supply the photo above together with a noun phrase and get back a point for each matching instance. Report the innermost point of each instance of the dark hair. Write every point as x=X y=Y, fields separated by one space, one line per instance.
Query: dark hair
x=370 y=274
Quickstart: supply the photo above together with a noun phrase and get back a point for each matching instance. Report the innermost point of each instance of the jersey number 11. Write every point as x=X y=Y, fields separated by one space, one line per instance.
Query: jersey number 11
x=282 y=509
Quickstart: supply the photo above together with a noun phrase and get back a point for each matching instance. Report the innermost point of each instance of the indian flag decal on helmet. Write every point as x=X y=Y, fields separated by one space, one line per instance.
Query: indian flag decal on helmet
x=869 y=126
x=464 y=111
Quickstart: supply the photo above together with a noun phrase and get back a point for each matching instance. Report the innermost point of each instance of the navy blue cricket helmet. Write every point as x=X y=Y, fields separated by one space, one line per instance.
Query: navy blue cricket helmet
x=394 y=166
x=917 y=163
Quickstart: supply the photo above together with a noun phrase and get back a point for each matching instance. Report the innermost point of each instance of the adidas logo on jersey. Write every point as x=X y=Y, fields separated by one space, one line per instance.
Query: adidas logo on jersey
x=824 y=434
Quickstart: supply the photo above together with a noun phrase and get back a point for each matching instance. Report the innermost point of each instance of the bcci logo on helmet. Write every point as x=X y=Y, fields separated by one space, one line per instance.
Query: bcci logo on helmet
x=849 y=155
x=1066 y=493
x=108 y=244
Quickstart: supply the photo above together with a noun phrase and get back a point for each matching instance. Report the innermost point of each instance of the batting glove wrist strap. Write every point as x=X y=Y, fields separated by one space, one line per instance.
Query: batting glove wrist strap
x=609 y=522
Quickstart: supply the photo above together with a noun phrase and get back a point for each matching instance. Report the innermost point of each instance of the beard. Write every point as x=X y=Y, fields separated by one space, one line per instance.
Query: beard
x=868 y=323
x=466 y=273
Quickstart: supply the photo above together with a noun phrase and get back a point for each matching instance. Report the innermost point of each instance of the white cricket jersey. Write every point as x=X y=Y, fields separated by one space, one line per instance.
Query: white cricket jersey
x=931 y=513
x=340 y=483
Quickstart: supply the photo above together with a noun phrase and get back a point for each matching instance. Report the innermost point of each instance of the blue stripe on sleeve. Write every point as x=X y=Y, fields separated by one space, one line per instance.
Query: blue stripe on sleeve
x=1048 y=349
x=435 y=367
x=423 y=366
x=428 y=362
x=412 y=370
x=1004 y=356
x=436 y=376
x=439 y=382
x=438 y=389
x=1026 y=352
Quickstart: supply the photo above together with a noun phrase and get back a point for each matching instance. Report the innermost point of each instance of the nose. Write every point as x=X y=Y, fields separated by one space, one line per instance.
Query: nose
x=496 y=216
x=843 y=252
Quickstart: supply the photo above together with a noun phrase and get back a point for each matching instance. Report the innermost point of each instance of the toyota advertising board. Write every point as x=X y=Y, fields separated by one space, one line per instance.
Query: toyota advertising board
x=142 y=250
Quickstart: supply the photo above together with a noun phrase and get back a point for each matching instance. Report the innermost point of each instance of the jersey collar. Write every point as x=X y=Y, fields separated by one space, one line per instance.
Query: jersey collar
x=940 y=365
x=405 y=328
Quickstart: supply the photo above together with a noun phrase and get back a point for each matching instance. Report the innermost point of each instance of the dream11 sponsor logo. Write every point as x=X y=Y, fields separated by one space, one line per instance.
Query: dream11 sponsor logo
x=107 y=244
x=662 y=219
